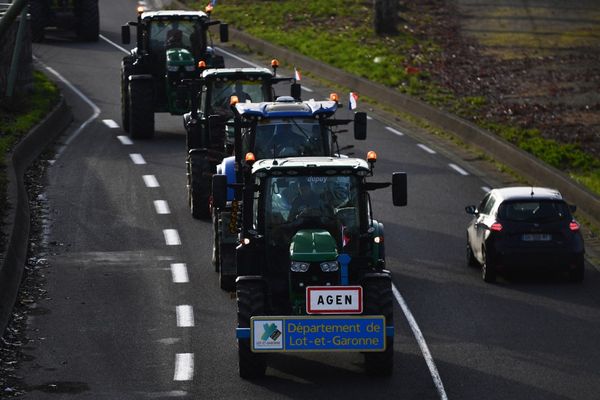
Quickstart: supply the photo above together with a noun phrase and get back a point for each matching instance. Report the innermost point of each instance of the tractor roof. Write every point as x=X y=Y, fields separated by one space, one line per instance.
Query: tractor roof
x=312 y=166
x=174 y=14
x=236 y=73
x=287 y=107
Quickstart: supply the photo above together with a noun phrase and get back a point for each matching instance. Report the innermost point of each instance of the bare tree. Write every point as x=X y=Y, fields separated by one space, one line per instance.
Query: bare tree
x=386 y=16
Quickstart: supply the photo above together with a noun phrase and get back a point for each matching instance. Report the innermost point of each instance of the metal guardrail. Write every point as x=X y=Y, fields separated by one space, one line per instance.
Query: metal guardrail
x=9 y=13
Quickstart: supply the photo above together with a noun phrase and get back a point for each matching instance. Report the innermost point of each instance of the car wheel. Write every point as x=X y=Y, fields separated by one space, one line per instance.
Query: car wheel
x=488 y=271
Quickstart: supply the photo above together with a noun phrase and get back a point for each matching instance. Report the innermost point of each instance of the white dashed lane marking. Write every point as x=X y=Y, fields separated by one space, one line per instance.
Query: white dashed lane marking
x=171 y=237
x=425 y=148
x=137 y=158
x=458 y=169
x=185 y=316
x=184 y=367
x=110 y=123
x=394 y=131
x=150 y=181
x=179 y=273
x=161 y=207
x=125 y=140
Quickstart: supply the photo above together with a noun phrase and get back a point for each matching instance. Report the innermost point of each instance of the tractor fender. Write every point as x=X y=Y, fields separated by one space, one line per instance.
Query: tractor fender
x=227 y=168
x=140 y=77
x=250 y=278
x=384 y=274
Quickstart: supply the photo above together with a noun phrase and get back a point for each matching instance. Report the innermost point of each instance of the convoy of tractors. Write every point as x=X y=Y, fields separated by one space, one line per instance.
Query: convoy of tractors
x=293 y=229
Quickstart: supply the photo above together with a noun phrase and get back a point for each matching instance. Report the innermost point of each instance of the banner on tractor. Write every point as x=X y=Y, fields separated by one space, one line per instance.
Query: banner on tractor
x=318 y=333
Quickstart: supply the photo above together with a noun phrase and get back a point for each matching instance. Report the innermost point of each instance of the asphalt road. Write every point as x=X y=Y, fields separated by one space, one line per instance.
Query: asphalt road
x=122 y=322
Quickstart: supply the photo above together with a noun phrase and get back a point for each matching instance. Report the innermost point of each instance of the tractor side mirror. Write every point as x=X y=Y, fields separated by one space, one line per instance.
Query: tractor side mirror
x=125 y=34
x=296 y=91
x=399 y=189
x=360 y=126
x=219 y=190
x=224 y=33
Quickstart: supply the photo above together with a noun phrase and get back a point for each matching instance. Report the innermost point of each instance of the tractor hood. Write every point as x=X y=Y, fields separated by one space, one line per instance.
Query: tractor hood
x=313 y=245
x=179 y=57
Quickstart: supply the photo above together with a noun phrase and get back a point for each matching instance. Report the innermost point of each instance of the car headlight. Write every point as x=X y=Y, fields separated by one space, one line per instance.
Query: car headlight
x=329 y=266
x=172 y=68
x=297 y=266
x=190 y=68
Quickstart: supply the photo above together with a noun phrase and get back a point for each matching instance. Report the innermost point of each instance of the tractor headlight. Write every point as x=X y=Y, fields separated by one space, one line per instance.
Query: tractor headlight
x=172 y=68
x=329 y=266
x=190 y=68
x=297 y=266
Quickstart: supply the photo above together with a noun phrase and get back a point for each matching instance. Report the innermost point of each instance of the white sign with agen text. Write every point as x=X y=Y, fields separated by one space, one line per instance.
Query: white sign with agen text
x=334 y=300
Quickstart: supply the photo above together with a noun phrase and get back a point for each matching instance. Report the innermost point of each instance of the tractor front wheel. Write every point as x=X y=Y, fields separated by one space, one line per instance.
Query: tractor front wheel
x=250 y=302
x=141 y=109
x=88 y=20
x=379 y=300
x=199 y=185
x=126 y=70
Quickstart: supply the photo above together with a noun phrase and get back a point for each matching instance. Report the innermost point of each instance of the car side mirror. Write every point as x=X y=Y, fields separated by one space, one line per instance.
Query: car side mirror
x=471 y=210
x=224 y=33
x=125 y=34
x=219 y=190
x=360 y=126
x=399 y=189
x=296 y=91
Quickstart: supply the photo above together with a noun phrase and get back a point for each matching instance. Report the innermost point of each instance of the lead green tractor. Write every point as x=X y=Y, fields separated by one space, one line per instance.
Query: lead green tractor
x=171 y=44
x=311 y=261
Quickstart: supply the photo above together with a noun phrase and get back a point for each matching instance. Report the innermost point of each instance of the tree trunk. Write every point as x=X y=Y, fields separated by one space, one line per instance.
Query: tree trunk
x=386 y=17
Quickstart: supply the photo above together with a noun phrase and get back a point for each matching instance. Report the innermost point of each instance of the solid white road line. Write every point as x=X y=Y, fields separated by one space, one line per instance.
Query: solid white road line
x=437 y=380
x=110 y=123
x=107 y=40
x=185 y=316
x=137 y=158
x=184 y=367
x=161 y=206
x=394 y=131
x=150 y=181
x=179 y=273
x=427 y=149
x=171 y=237
x=125 y=140
x=458 y=169
x=486 y=189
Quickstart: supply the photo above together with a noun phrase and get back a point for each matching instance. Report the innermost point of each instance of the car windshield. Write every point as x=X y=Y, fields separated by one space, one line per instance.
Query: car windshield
x=288 y=137
x=246 y=91
x=534 y=211
x=328 y=202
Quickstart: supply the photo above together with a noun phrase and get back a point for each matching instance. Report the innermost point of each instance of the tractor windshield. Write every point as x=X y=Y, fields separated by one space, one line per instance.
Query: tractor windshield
x=301 y=202
x=288 y=137
x=166 y=34
x=246 y=91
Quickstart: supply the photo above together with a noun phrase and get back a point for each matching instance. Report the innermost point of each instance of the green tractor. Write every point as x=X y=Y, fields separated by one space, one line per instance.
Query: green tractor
x=311 y=261
x=81 y=16
x=170 y=45
x=281 y=129
x=208 y=127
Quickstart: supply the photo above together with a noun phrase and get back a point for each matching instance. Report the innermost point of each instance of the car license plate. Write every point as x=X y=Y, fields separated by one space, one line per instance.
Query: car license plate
x=537 y=237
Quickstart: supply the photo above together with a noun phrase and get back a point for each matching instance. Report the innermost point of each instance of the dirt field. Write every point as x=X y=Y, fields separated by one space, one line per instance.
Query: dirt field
x=536 y=61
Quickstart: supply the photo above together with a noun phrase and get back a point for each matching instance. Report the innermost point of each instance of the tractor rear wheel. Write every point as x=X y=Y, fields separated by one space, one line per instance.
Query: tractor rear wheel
x=227 y=257
x=250 y=302
x=126 y=70
x=379 y=300
x=88 y=20
x=199 y=186
x=141 y=109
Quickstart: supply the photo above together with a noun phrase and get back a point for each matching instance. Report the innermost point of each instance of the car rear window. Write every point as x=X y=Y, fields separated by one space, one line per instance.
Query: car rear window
x=533 y=211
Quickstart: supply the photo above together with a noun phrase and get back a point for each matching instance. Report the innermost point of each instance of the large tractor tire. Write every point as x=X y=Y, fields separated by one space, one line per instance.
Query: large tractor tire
x=199 y=185
x=216 y=257
x=379 y=300
x=126 y=70
x=38 y=14
x=250 y=302
x=227 y=257
x=87 y=26
x=141 y=109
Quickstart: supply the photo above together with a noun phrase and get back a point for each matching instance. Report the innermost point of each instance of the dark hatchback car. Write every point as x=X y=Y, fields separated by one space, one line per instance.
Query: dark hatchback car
x=524 y=228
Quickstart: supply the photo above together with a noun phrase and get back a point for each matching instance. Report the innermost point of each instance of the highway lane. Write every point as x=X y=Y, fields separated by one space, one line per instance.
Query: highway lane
x=111 y=328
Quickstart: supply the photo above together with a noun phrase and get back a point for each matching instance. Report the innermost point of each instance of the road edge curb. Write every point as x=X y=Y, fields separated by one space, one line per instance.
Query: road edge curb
x=18 y=218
